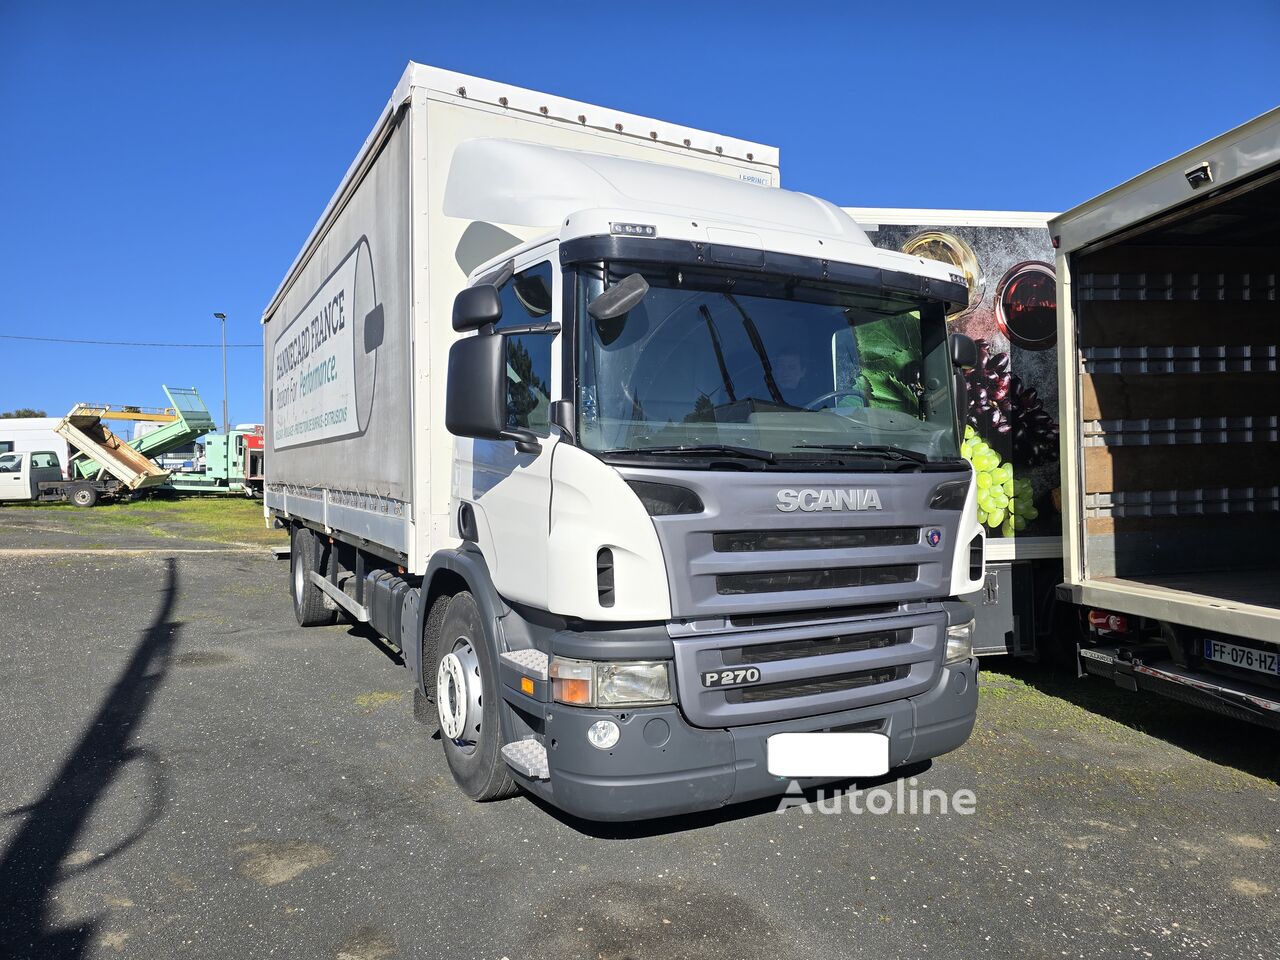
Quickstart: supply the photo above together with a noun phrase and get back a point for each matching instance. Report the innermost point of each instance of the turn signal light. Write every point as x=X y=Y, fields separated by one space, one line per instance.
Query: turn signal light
x=573 y=691
x=571 y=681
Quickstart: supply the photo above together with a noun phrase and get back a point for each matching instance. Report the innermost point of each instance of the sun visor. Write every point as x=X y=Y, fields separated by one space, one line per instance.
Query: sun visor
x=532 y=185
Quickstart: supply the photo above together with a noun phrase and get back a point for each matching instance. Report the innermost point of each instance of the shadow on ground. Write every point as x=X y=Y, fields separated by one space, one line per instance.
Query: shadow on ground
x=765 y=806
x=1218 y=739
x=37 y=859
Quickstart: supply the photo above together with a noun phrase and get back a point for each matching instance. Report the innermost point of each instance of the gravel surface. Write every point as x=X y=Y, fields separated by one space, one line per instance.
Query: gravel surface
x=188 y=773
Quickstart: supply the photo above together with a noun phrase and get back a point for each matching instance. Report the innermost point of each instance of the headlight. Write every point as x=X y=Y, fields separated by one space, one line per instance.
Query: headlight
x=587 y=683
x=619 y=683
x=960 y=642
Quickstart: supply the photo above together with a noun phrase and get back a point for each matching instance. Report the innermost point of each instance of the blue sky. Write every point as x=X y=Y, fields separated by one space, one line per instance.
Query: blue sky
x=162 y=161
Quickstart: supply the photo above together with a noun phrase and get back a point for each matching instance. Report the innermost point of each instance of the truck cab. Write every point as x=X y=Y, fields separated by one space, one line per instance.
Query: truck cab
x=728 y=446
x=22 y=473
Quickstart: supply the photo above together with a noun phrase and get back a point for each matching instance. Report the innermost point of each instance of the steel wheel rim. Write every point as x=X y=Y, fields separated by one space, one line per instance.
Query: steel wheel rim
x=460 y=696
x=298 y=582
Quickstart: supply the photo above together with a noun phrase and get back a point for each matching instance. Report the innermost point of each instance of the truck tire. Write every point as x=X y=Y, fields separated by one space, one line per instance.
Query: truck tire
x=424 y=693
x=84 y=495
x=310 y=605
x=469 y=704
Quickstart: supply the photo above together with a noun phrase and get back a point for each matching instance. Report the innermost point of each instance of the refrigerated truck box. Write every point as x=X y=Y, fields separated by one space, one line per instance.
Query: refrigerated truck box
x=1007 y=259
x=1169 y=324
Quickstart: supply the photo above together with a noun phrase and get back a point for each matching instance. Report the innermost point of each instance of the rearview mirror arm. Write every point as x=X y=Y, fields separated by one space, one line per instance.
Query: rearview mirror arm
x=526 y=440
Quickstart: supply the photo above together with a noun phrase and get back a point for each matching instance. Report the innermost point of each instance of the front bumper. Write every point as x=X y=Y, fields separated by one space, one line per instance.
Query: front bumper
x=662 y=766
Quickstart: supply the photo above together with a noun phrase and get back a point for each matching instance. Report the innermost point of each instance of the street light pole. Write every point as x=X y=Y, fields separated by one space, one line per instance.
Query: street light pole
x=226 y=426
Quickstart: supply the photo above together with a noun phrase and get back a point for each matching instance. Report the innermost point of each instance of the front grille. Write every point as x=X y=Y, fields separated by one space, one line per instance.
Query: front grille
x=819 y=647
x=763 y=692
x=839 y=578
x=743 y=541
x=812 y=616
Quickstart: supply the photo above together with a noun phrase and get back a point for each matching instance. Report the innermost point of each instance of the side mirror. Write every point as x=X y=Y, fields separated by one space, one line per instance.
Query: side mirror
x=475 y=395
x=964 y=352
x=475 y=402
x=476 y=307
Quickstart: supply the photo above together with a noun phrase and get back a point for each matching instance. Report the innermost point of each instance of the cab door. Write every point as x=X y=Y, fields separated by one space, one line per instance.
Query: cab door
x=15 y=477
x=510 y=491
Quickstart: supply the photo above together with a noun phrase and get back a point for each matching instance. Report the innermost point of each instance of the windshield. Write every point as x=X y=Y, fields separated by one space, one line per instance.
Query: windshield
x=789 y=367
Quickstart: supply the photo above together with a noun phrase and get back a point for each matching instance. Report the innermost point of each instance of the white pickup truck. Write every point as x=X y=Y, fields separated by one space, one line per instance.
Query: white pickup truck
x=35 y=475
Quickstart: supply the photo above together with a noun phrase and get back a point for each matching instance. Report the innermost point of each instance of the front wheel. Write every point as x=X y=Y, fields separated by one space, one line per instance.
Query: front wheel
x=469 y=704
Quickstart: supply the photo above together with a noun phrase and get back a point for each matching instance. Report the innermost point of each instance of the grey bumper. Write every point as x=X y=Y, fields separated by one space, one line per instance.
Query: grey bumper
x=662 y=766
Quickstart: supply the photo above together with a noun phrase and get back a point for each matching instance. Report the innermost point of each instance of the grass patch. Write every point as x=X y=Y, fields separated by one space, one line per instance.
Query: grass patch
x=221 y=519
x=1038 y=704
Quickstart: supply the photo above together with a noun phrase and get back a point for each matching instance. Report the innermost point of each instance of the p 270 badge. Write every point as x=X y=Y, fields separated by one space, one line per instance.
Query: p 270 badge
x=731 y=678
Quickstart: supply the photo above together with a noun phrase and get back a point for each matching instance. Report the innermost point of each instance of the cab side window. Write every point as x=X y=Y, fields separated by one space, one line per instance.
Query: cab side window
x=45 y=460
x=527 y=301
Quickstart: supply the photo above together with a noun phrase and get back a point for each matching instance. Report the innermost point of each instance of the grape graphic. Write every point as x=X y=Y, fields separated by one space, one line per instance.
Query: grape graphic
x=999 y=403
x=1004 y=503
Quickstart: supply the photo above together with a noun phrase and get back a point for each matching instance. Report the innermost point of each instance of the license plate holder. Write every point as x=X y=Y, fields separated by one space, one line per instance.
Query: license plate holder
x=798 y=756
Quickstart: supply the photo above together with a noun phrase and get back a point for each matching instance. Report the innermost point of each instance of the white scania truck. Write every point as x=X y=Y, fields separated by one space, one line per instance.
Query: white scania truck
x=642 y=462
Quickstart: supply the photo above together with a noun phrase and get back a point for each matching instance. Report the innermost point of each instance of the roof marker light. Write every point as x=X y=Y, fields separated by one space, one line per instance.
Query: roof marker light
x=634 y=229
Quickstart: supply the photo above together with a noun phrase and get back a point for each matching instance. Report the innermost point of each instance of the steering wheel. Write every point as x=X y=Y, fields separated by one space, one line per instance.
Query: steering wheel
x=819 y=402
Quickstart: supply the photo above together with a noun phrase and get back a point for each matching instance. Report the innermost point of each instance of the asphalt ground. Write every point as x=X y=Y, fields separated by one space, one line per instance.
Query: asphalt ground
x=184 y=772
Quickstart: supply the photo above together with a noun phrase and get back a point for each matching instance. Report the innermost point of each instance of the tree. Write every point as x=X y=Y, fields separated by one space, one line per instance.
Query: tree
x=21 y=413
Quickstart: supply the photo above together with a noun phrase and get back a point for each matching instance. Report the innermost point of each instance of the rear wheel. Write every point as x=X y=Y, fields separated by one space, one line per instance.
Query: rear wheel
x=310 y=605
x=469 y=705
x=84 y=495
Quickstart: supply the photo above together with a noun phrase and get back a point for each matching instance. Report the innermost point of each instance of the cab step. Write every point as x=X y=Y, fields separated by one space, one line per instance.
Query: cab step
x=532 y=663
x=527 y=758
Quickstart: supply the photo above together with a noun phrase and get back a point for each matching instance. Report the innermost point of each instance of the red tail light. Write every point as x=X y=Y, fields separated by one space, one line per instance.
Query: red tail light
x=1111 y=622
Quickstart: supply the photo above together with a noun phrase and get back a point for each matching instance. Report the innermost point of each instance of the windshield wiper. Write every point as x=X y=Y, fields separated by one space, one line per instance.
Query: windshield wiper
x=888 y=450
x=746 y=453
